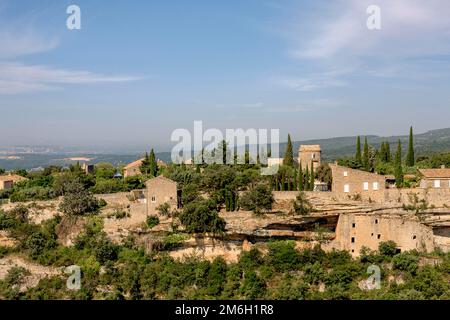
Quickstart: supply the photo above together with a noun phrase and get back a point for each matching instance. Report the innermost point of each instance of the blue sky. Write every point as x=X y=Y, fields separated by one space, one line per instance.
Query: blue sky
x=137 y=70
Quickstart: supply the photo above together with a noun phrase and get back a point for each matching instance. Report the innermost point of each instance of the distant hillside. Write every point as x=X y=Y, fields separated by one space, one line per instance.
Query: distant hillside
x=333 y=148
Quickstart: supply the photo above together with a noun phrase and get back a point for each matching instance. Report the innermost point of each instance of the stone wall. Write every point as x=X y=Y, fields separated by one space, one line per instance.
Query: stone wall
x=433 y=197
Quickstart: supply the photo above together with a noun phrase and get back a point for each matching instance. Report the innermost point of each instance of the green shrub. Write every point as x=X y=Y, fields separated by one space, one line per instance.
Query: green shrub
x=282 y=255
x=406 y=262
x=78 y=201
x=152 y=221
x=387 y=248
x=258 y=199
x=202 y=216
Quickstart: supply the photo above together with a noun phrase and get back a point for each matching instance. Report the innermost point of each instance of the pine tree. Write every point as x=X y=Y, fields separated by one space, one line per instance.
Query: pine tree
x=358 y=151
x=312 y=177
x=410 y=155
x=153 y=165
x=300 y=180
x=289 y=153
x=365 y=159
x=398 y=166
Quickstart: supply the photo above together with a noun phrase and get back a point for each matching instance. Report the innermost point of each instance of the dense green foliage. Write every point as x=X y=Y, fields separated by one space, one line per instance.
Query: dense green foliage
x=112 y=271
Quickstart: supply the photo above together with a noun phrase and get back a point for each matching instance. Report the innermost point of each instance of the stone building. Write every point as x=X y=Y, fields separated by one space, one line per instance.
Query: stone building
x=352 y=182
x=162 y=190
x=435 y=178
x=308 y=154
x=355 y=231
x=134 y=168
x=7 y=181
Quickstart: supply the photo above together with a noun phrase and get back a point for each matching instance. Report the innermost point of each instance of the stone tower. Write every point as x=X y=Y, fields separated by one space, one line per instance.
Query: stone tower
x=308 y=154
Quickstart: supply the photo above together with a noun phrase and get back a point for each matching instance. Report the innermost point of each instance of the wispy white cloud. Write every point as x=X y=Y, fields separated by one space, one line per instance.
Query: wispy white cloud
x=408 y=27
x=20 y=38
x=20 y=78
x=335 y=34
x=15 y=44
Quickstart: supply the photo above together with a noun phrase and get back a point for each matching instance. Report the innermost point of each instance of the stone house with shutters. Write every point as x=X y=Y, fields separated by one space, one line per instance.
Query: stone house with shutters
x=435 y=178
x=349 y=182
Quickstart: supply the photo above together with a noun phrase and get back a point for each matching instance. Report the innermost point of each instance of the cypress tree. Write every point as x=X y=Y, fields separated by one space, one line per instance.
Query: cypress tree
x=306 y=186
x=295 y=186
x=300 y=180
x=410 y=155
x=145 y=165
x=398 y=166
x=289 y=153
x=153 y=165
x=365 y=159
x=388 y=152
x=312 y=177
x=382 y=152
x=358 y=151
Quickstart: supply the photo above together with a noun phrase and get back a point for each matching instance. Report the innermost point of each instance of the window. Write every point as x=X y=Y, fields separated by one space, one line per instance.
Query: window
x=379 y=236
x=313 y=155
x=153 y=199
x=437 y=183
x=376 y=221
x=346 y=188
x=353 y=239
x=366 y=186
x=414 y=237
x=375 y=186
x=345 y=174
x=371 y=234
x=353 y=225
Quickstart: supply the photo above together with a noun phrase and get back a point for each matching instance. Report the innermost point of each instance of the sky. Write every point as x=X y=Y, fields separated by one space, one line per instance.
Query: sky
x=138 y=70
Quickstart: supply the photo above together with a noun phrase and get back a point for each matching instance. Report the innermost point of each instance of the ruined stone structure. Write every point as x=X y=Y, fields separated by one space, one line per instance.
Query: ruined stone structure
x=161 y=190
x=435 y=178
x=308 y=154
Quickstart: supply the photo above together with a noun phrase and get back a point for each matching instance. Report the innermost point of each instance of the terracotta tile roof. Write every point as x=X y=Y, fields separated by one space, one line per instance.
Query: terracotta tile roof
x=310 y=148
x=133 y=164
x=138 y=163
x=12 y=177
x=435 y=173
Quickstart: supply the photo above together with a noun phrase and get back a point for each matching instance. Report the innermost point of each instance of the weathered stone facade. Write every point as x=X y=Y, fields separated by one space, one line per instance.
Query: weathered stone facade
x=352 y=183
x=355 y=231
x=161 y=190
